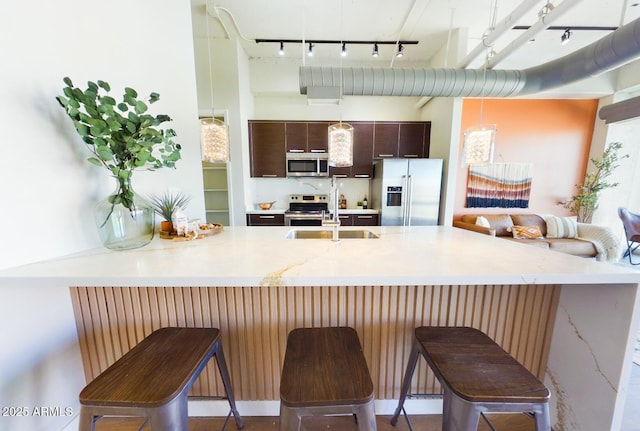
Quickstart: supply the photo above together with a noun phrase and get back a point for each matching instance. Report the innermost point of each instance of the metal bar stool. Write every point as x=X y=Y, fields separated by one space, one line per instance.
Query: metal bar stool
x=477 y=376
x=325 y=373
x=152 y=380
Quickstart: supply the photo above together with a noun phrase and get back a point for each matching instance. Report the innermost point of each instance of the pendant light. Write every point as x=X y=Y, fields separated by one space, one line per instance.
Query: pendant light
x=340 y=137
x=479 y=141
x=214 y=134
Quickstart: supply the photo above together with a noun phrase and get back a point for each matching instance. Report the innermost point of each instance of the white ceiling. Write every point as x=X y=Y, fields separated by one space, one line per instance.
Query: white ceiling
x=430 y=22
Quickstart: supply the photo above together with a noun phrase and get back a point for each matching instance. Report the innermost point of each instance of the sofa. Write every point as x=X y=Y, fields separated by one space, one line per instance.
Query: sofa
x=564 y=234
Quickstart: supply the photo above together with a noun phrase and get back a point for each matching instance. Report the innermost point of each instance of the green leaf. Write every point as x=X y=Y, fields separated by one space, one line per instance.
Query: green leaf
x=67 y=81
x=131 y=127
x=108 y=100
x=141 y=107
x=130 y=92
x=104 y=85
x=105 y=153
x=123 y=107
x=154 y=97
x=94 y=161
x=92 y=86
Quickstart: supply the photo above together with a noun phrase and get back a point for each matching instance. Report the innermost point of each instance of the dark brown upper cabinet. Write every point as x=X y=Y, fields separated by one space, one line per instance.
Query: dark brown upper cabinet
x=362 y=150
x=385 y=139
x=296 y=136
x=318 y=136
x=267 y=149
x=411 y=140
x=402 y=139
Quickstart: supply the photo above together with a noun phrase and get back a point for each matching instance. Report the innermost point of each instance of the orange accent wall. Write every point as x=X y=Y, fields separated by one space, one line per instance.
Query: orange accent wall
x=554 y=135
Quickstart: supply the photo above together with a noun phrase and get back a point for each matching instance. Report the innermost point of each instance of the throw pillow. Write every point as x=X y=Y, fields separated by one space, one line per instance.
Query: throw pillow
x=561 y=227
x=526 y=232
x=482 y=221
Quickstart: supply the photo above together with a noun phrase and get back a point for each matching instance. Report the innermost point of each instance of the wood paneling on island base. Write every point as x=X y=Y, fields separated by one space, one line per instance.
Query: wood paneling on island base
x=255 y=321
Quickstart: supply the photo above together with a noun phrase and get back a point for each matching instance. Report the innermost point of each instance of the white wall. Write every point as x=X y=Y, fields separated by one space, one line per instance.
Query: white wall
x=46 y=184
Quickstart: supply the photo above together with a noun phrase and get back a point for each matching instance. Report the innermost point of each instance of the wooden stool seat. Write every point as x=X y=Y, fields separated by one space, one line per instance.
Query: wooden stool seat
x=152 y=380
x=325 y=372
x=477 y=376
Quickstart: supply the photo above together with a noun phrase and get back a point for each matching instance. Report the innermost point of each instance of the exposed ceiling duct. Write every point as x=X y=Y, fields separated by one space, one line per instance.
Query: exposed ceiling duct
x=610 y=52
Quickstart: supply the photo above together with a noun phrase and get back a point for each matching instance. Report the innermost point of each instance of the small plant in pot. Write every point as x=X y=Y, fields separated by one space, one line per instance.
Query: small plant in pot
x=165 y=204
x=123 y=138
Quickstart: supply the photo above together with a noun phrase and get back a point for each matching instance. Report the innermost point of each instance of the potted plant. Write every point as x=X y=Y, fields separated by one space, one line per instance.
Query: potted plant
x=123 y=137
x=585 y=202
x=165 y=204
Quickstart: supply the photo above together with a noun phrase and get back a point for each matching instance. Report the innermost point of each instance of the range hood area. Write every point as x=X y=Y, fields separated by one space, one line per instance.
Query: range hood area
x=610 y=52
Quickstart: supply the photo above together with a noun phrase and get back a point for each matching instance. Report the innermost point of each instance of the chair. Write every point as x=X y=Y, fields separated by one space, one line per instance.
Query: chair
x=631 y=223
x=325 y=373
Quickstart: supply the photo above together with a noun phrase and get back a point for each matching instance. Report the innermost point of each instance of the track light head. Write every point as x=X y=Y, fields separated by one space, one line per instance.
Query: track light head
x=375 y=50
x=281 y=50
x=564 y=39
x=310 y=51
x=400 y=52
x=344 y=49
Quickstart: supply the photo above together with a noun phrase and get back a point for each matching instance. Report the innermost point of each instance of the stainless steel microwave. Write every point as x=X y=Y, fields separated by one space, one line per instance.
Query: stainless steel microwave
x=307 y=164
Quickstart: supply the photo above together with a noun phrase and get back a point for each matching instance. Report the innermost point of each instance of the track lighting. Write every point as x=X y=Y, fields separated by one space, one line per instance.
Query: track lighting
x=343 y=43
x=564 y=39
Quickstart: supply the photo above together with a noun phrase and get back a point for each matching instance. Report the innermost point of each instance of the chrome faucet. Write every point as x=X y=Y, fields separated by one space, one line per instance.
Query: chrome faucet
x=334 y=221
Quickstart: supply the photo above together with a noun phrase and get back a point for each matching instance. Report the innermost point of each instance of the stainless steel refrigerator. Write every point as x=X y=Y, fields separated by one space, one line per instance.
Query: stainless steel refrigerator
x=407 y=191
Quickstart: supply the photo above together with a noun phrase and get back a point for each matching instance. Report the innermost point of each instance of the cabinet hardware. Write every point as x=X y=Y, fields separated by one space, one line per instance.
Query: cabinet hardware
x=361 y=175
x=385 y=155
x=364 y=216
x=267 y=216
x=318 y=151
x=340 y=176
x=410 y=155
x=269 y=175
x=296 y=151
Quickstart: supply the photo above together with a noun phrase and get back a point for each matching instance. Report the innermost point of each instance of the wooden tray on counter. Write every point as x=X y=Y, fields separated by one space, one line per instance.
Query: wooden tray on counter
x=212 y=229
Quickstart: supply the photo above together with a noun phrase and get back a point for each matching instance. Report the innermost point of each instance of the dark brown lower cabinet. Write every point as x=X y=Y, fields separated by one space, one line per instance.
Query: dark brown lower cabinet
x=265 y=219
x=358 y=219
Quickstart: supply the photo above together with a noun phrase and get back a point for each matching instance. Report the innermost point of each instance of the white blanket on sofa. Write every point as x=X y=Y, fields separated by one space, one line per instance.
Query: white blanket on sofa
x=605 y=241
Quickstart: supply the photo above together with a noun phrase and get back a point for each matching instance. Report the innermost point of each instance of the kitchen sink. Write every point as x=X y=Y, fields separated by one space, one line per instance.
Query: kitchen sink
x=328 y=234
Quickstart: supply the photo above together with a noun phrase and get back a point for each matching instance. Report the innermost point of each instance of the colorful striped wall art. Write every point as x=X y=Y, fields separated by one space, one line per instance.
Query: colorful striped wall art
x=499 y=185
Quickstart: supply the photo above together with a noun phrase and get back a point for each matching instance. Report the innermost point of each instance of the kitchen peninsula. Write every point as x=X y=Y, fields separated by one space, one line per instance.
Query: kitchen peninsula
x=568 y=320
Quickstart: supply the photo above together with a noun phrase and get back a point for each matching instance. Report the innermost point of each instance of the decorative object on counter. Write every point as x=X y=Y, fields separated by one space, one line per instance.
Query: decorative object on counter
x=585 y=202
x=343 y=202
x=214 y=134
x=359 y=205
x=266 y=205
x=199 y=232
x=365 y=203
x=123 y=137
x=165 y=204
x=180 y=222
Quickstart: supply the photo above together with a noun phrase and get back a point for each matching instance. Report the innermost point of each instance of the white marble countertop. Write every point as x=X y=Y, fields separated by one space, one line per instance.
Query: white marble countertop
x=259 y=256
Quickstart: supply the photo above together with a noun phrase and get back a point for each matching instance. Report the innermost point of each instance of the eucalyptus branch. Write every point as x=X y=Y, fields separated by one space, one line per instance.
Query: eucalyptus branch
x=122 y=136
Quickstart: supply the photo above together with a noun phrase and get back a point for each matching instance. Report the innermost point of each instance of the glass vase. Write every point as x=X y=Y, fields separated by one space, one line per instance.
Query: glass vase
x=123 y=228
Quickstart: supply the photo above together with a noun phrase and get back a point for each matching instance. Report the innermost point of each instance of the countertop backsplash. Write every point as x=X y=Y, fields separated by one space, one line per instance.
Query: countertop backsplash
x=279 y=189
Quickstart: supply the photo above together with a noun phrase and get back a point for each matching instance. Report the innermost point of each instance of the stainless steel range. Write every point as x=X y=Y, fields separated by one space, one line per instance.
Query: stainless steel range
x=306 y=210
